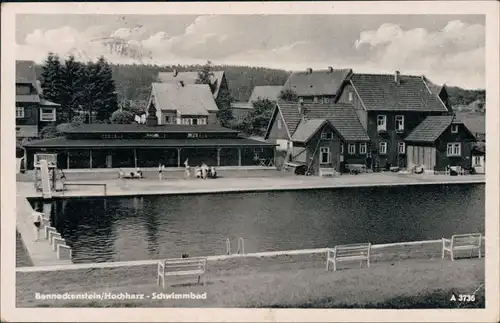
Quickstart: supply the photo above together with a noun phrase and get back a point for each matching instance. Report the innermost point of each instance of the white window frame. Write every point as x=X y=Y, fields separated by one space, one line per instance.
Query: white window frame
x=322 y=151
x=382 y=148
x=362 y=148
x=279 y=124
x=351 y=149
x=350 y=98
x=202 y=121
x=19 y=112
x=400 y=123
x=52 y=114
x=401 y=147
x=383 y=126
x=454 y=149
x=476 y=161
x=326 y=100
x=327 y=135
x=454 y=128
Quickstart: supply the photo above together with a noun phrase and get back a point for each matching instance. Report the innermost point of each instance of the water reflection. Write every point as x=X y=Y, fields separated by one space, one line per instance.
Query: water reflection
x=167 y=226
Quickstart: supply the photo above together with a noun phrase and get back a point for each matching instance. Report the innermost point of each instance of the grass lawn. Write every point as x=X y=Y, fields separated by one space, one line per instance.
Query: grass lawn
x=283 y=281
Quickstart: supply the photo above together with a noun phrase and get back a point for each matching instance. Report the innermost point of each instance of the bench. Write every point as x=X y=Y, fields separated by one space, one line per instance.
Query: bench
x=462 y=242
x=327 y=172
x=195 y=266
x=350 y=252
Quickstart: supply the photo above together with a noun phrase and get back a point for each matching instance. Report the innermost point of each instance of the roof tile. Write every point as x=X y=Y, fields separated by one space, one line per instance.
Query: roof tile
x=190 y=78
x=430 y=129
x=322 y=82
x=190 y=99
x=270 y=92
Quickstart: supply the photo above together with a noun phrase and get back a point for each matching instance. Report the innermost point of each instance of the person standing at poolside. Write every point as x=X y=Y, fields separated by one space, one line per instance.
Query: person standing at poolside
x=37 y=222
x=160 y=171
x=187 y=172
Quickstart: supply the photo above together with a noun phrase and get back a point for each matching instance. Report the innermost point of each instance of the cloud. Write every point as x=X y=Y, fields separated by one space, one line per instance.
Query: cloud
x=454 y=54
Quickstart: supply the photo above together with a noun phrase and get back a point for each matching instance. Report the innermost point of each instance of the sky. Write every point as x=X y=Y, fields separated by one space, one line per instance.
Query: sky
x=446 y=48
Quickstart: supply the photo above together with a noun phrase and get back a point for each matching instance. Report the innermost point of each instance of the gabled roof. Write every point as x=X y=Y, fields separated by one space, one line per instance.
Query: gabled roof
x=307 y=128
x=380 y=92
x=323 y=82
x=190 y=99
x=270 y=92
x=142 y=128
x=431 y=128
x=342 y=117
x=241 y=105
x=190 y=78
x=25 y=72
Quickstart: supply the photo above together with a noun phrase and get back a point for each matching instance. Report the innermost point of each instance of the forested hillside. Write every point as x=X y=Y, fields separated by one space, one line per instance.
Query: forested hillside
x=133 y=82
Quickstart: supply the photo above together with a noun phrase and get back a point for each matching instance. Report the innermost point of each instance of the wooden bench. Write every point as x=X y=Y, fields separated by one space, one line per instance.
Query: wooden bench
x=350 y=252
x=195 y=266
x=462 y=242
x=327 y=172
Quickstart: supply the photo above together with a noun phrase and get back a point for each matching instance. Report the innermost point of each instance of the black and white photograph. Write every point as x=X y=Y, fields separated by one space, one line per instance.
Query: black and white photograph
x=250 y=158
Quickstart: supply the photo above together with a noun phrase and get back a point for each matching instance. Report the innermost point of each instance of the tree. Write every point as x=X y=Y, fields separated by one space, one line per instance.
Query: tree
x=122 y=116
x=258 y=120
x=73 y=79
x=288 y=95
x=223 y=100
x=52 y=82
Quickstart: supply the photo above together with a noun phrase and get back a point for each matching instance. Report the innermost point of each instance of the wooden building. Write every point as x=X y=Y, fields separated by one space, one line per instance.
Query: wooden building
x=389 y=108
x=294 y=127
x=317 y=86
x=438 y=142
x=148 y=145
x=180 y=103
x=33 y=112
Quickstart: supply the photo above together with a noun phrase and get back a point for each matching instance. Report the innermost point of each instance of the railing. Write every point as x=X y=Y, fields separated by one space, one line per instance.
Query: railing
x=85 y=184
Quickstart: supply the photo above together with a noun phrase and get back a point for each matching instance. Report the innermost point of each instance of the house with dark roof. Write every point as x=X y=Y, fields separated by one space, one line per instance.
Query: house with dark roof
x=151 y=144
x=389 y=108
x=33 y=112
x=181 y=103
x=320 y=86
x=217 y=86
x=297 y=128
x=438 y=142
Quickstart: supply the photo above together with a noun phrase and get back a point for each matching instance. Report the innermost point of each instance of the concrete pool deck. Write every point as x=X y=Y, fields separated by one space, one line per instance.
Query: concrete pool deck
x=153 y=186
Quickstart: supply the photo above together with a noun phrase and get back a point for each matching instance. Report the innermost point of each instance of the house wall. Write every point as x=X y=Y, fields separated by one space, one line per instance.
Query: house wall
x=277 y=132
x=212 y=118
x=313 y=150
x=356 y=102
x=299 y=152
x=442 y=160
x=411 y=120
x=31 y=114
x=357 y=157
x=171 y=114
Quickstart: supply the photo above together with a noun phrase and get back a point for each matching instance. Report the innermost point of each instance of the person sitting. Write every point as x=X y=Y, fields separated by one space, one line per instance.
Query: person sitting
x=139 y=172
x=121 y=173
x=204 y=170
x=198 y=172
x=212 y=172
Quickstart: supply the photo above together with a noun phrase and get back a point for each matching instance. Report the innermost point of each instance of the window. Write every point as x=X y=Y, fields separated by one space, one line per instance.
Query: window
x=279 y=123
x=350 y=97
x=477 y=161
x=454 y=128
x=194 y=121
x=258 y=150
x=202 y=121
x=400 y=123
x=351 y=149
x=47 y=114
x=362 y=148
x=383 y=148
x=453 y=149
x=192 y=135
x=315 y=99
x=301 y=100
x=381 y=123
x=327 y=135
x=19 y=112
x=325 y=155
x=341 y=148
x=401 y=148
x=327 y=100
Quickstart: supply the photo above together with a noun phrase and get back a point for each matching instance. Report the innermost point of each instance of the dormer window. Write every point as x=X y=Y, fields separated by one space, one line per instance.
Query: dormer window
x=327 y=135
x=400 y=123
x=381 y=123
x=454 y=128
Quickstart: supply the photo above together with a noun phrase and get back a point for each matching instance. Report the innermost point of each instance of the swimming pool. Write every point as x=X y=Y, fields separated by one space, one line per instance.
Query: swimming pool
x=139 y=228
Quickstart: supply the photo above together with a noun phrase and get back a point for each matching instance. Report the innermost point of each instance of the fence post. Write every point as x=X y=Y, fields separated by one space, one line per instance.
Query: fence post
x=228 y=246
x=241 y=246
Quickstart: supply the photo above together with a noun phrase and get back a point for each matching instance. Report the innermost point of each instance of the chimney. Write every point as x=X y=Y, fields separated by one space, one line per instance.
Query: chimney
x=330 y=69
x=175 y=72
x=397 y=78
x=152 y=119
x=309 y=70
